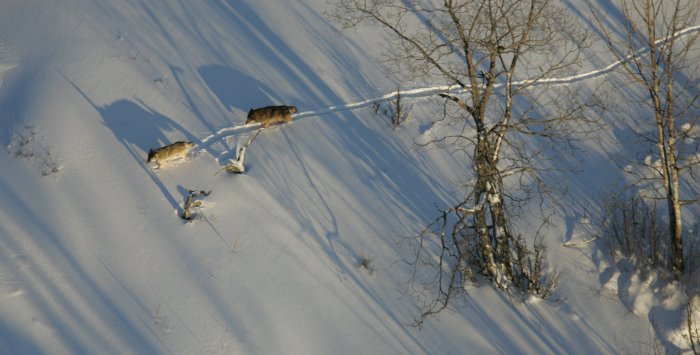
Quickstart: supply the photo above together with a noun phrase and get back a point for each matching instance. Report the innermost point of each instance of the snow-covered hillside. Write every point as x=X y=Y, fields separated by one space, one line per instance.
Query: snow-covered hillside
x=94 y=258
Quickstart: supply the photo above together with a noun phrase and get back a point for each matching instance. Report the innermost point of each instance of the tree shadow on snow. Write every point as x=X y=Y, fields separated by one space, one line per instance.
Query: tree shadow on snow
x=13 y=341
x=139 y=128
x=237 y=90
x=63 y=303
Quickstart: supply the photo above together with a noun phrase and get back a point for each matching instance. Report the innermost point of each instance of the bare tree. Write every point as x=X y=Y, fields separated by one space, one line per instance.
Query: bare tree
x=395 y=110
x=497 y=55
x=659 y=60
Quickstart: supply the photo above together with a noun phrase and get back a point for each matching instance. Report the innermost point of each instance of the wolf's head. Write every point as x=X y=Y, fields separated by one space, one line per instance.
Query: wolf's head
x=151 y=155
x=250 y=118
x=293 y=109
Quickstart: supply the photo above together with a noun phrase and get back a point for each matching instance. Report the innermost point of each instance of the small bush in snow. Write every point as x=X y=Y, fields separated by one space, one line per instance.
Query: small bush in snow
x=395 y=110
x=26 y=145
x=48 y=165
x=364 y=261
x=635 y=230
x=21 y=144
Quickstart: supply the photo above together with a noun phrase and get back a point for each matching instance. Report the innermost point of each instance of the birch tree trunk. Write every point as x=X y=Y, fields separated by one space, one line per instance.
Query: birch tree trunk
x=654 y=56
x=482 y=47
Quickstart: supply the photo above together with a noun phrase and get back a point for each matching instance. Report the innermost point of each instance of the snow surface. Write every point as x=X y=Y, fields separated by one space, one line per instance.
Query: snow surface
x=94 y=258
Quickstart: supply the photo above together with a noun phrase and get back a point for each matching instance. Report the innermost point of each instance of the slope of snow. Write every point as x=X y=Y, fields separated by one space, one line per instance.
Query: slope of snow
x=94 y=258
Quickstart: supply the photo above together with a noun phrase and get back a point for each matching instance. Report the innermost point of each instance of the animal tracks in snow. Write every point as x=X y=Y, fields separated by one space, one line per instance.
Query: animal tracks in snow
x=227 y=133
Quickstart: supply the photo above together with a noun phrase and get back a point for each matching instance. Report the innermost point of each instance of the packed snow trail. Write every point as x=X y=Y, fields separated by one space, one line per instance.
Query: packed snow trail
x=227 y=132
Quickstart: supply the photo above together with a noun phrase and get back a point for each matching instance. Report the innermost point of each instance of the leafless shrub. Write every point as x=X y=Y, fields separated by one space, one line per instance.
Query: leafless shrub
x=27 y=145
x=394 y=109
x=48 y=165
x=532 y=270
x=21 y=143
x=636 y=230
x=365 y=262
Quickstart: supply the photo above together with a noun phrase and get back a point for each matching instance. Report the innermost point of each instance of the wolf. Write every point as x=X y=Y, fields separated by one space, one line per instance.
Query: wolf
x=177 y=150
x=271 y=114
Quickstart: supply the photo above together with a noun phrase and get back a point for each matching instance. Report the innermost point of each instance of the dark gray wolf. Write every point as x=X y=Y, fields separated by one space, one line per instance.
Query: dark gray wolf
x=271 y=114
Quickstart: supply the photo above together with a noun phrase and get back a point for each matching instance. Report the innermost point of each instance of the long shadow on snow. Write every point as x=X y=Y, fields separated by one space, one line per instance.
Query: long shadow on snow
x=402 y=183
x=237 y=90
x=319 y=221
x=282 y=58
x=360 y=81
x=13 y=341
x=53 y=304
x=609 y=10
x=139 y=129
x=561 y=338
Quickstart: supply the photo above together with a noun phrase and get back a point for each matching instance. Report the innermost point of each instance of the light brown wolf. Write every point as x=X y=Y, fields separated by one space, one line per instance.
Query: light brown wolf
x=177 y=150
x=271 y=114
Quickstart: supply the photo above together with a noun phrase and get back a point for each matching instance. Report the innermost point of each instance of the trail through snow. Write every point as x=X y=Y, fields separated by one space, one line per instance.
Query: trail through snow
x=415 y=93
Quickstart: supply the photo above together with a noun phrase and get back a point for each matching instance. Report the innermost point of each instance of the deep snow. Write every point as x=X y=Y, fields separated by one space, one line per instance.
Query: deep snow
x=94 y=258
